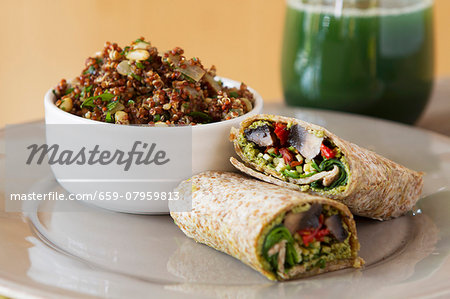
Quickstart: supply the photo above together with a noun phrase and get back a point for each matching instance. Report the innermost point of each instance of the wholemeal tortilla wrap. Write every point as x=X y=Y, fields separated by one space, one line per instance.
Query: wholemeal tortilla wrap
x=298 y=155
x=281 y=233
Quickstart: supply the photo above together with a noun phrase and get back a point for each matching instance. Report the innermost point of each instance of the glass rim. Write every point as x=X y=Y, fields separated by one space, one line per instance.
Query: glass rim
x=360 y=7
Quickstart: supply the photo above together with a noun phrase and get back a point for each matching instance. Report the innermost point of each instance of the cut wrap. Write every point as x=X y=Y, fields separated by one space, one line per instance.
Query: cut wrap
x=373 y=187
x=240 y=216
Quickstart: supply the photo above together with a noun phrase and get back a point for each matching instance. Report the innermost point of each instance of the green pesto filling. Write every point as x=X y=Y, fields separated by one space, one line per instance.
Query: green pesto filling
x=316 y=255
x=259 y=123
x=251 y=152
x=318 y=133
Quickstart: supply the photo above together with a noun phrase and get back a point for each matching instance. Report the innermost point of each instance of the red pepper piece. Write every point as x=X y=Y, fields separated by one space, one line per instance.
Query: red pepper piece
x=327 y=152
x=281 y=132
x=309 y=235
x=287 y=155
x=295 y=163
x=322 y=233
x=307 y=239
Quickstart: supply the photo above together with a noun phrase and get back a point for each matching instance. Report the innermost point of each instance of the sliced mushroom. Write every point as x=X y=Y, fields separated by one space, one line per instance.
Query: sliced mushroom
x=292 y=220
x=331 y=176
x=279 y=248
x=334 y=225
x=303 y=220
x=262 y=135
x=276 y=248
x=306 y=143
x=315 y=177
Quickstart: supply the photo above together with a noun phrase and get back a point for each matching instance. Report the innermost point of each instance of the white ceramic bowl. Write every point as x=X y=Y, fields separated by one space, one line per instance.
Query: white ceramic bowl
x=211 y=150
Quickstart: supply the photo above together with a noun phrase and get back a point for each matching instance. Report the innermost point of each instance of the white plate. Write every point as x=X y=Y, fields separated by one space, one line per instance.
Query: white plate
x=90 y=251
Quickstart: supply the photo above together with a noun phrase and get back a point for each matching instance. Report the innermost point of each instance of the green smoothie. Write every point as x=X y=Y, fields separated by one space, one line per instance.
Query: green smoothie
x=373 y=61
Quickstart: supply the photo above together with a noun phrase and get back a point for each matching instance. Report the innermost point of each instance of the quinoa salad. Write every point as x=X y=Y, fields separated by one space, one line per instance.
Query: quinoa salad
x=137 y=85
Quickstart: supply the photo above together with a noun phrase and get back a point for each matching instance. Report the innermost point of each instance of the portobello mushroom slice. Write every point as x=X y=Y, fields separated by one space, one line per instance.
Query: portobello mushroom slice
x=280 y=249
x=261 y=135
x=303 y=220
x=331 y=176
x=334 y=225
x=306 y=143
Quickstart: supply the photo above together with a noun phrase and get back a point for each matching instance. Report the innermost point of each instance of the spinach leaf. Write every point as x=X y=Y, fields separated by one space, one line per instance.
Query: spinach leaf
x=314 y=165
x=277 y=234
x=327 y=165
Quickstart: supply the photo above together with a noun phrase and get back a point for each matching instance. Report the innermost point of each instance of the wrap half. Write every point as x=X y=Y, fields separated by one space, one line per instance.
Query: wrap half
x=280 y=233
x=298 y=155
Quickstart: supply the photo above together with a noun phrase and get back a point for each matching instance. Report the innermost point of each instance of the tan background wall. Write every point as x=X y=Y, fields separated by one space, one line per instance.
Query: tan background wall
x=43 y=41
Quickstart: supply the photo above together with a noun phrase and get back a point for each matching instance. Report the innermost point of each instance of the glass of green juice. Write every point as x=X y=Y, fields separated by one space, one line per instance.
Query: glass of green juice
x=370 y=57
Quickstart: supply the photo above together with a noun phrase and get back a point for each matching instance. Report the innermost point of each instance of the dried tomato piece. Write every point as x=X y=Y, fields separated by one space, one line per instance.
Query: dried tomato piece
x=295 y=163
x=287 y=155
x=282 y=132
x=322 y=233
x=308 y=238
x=327 y=152
x=311 y=234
